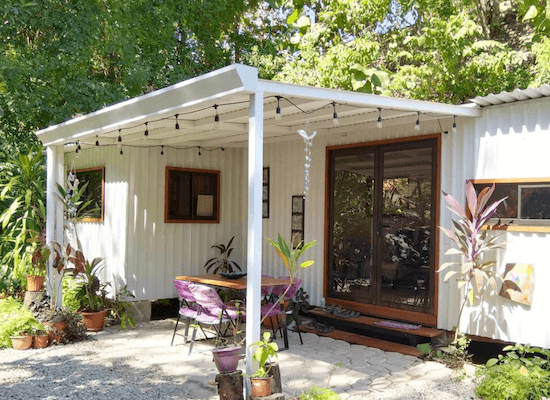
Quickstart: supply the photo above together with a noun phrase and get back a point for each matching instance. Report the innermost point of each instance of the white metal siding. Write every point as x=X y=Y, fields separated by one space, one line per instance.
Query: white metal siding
x=106 y=239
x=509 y=141
x=286 y=161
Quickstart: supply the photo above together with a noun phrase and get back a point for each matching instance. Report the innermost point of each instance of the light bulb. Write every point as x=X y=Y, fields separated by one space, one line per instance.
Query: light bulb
x=454 y=130
x=379 y=121
x=417 y=125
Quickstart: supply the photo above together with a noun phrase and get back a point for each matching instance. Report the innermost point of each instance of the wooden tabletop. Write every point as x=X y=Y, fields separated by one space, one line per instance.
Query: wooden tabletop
x=238 y=284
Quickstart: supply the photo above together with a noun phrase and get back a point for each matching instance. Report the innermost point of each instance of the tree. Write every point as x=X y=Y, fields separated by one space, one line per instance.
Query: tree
x=455 y=51
x=60 y=58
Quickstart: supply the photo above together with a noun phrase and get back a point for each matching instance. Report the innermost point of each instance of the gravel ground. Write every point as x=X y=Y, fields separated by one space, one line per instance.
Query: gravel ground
x=140 y=364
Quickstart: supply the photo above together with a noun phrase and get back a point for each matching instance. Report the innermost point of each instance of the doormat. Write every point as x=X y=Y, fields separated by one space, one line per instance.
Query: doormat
x=398 y=325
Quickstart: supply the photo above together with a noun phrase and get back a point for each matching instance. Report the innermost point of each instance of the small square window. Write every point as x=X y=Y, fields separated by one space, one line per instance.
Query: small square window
x=192 y=195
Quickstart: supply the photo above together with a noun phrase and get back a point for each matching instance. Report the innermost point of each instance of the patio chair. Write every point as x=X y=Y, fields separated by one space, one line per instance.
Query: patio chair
x=211 y=311
x=293 y=309
x=188 y=309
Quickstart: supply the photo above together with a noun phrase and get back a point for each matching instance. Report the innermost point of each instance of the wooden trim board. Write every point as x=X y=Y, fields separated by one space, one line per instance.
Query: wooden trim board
x=371 y=321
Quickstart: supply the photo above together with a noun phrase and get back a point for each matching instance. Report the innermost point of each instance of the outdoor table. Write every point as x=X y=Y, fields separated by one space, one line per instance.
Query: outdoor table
x=239 y=284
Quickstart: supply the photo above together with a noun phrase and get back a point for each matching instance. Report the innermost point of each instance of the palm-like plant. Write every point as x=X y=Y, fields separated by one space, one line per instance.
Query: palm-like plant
x=472 y=243
x=222 y=263
x=23 y=194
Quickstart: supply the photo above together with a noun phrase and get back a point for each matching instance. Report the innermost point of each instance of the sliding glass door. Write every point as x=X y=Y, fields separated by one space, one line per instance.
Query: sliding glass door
x=381 y=222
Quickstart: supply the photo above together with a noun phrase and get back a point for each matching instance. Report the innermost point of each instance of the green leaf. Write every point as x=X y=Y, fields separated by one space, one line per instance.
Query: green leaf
x=306 y=264
x=292 y=17
x=531 y=13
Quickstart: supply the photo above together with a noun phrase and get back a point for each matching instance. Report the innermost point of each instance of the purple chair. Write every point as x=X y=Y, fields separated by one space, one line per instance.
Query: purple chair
x=211 y=311
x=188 y=309
x=292 y=310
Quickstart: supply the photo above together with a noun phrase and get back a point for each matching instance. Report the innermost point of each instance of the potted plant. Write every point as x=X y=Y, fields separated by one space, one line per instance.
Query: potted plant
x=261 y=382
x=37 y=273
x=92 y=296
x=40 y=338
x=222 y=263
x=16 y=325
x=226 y=357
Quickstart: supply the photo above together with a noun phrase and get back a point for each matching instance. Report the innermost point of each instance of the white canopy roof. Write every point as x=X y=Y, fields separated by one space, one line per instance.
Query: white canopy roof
x=229 y=88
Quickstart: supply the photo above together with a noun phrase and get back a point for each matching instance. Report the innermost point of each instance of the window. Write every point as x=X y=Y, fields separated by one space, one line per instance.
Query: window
x=192 y=195
x=95 y=191
x=527 y=207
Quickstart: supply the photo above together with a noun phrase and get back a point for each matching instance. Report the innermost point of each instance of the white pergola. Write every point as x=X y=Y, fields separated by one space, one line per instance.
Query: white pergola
x=247 y=110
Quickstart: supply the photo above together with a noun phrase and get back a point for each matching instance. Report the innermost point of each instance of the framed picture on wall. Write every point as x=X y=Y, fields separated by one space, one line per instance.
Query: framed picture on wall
x=265 y=193
x=297 y=222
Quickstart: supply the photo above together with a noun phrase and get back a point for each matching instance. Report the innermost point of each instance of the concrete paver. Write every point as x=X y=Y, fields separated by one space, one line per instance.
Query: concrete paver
x=317 y=362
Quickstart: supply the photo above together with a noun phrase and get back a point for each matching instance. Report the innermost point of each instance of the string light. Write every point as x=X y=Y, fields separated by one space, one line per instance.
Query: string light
x=199 y=150
x=278 y=110
x=78 y=148
x=379 y=121
x=417 y=125
x=216 y=118
x=454 y=130
x=162 y=150
x=177 y=123
x=121 y=152
x=146 y=133
x=119 y=137
x=96 y=141
x=334 y=114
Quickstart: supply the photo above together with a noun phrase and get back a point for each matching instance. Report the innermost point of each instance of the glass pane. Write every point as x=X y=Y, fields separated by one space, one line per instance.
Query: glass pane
x=535 y=202
x=406 y=229
x=351 y=274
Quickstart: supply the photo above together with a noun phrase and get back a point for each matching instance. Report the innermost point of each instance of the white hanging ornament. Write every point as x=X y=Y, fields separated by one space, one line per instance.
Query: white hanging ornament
x=308 y=140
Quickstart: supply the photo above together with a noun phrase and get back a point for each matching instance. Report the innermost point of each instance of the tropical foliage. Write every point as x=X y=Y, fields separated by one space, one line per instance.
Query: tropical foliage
x=22 y=216
x=472 y=243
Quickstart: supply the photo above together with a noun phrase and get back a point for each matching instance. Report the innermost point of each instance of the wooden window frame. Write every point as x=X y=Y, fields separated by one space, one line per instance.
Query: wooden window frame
x=82 y=182
x=516 y=224
x=194 y=219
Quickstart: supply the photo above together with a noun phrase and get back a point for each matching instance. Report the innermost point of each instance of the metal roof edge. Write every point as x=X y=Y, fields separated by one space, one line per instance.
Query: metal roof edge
x=368 y=100
x=231 y=79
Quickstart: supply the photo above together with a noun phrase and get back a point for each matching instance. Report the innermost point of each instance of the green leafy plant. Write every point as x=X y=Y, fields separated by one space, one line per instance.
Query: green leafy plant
x=290 y=259
x=265 y=351
x=508 y=382
x=222 y=263
x=319 y=393
x=22 y=197
x=15 y=319
x=472 y=243
x=523 y=355
x=453 y=354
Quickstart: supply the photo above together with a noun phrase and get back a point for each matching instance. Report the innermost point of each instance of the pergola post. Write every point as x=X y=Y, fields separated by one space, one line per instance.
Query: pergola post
x=54 y=217
x=254 y=248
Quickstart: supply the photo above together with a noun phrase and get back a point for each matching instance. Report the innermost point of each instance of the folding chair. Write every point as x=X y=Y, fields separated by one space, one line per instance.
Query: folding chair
x=212 y=311
x=188 y=309
x=292 y=309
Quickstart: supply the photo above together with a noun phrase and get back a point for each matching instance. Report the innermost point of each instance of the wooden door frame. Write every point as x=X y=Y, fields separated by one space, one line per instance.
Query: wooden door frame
x=370 y=309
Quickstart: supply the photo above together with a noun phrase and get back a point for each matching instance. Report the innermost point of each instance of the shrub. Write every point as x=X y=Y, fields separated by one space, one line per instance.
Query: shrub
x=319 y=393
x=15 y=319
x=507 y=382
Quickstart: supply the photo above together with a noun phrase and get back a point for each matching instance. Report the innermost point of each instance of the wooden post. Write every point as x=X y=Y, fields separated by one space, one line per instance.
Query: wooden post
x=275 y=372
x=230 y=386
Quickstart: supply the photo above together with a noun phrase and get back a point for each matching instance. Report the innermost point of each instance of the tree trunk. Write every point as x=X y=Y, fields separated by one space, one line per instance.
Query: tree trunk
x=230 y=386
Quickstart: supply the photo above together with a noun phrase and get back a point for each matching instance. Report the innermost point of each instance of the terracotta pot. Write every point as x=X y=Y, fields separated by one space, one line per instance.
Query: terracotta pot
x=21 y=342
x=94 y=321
x=227 y=359
x=35 y=283
x=269 y=322
x=261 y=387
x=40 y=342
x=55 y=330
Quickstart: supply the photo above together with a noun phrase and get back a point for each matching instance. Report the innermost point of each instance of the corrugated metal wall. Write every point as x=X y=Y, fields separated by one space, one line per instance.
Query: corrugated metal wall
x=286 y=161
x=149 y=253
x=107 y=239
x=509 y=141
